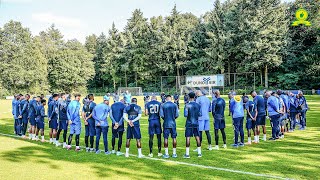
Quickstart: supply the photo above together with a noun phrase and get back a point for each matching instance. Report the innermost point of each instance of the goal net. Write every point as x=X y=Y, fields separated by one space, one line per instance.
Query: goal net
x=135 y=91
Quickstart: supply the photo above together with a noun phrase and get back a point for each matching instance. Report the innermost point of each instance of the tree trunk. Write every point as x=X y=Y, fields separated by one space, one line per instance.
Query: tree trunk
x=266 y=76
x=177 y=78
x=229 y=71
x=125 y=74
x=261 y=78
x=136 y=77
x=114 y=84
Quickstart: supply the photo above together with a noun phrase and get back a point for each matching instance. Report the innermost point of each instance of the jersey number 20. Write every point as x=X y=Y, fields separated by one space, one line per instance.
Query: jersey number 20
x=154 y=108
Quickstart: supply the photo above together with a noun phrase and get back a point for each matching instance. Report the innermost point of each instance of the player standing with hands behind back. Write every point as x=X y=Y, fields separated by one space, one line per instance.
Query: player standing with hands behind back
x=192 y=111
x=169 y=112
x=132 y=114
x=152 y=110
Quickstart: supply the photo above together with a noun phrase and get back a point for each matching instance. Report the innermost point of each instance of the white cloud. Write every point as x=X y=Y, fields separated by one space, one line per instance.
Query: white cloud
x=58 y=20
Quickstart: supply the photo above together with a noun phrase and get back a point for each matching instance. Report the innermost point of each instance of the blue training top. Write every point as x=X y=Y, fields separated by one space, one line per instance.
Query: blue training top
x=218 y=106
x=273 y=105
x=133 y=111
x=205 y=105
x=116 y=113
x=73 y=112
x=100 y=114
x=237 y=109
x=252 y=108
x=169 y=112
x=153 y=108
x=192 y=111
x=62 y=108
x=259 y=101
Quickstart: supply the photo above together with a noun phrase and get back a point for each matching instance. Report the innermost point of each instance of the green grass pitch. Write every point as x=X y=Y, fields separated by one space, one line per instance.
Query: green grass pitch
x=295 y=157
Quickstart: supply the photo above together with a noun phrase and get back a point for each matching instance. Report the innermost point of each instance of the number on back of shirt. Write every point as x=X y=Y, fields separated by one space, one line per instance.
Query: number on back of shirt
x=154 y=108
x=252 y=110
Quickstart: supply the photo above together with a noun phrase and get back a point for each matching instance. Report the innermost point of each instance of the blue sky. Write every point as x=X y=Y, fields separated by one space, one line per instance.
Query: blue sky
x=79 y=18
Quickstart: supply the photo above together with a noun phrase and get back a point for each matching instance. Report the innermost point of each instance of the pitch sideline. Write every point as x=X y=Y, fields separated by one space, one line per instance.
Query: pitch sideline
x=196 y=165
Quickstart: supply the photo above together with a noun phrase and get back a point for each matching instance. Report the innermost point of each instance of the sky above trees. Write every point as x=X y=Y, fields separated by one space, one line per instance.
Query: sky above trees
x=78 y=19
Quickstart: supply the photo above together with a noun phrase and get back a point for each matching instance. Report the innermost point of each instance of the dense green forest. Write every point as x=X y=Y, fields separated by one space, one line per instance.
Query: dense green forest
x=236 y=36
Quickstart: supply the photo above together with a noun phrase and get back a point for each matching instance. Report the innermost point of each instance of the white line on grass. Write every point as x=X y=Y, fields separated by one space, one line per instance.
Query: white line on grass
x=197 y=165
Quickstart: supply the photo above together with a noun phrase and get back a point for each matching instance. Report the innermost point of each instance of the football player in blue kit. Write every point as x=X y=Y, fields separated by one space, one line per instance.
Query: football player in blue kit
x=261 y=117
x=74 y=121
x=252 y=113
x=218 y=107
x=132 y=114
x=153 y=111
x=192 y=111
x=32 y=116
x=204 y=119
x=169 y=112
x=90 y=130
x=116 y=115
x=40 y=119
x=53 y=117
x=100 y=115
x=24 y=113
x=236 y=108
x=63 y=119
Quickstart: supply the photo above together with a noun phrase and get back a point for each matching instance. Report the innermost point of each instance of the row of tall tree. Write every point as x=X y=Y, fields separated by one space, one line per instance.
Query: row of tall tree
x=236 y=36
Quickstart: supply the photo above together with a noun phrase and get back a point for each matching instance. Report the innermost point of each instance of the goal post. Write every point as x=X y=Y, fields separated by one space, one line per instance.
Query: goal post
x=135 y=91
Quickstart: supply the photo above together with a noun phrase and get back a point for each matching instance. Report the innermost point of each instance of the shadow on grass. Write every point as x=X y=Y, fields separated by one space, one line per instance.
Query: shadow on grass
x=110 y=166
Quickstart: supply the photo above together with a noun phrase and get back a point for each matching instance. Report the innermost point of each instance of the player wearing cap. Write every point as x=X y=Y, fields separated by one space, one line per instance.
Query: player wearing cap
x=132 y=115
x=74 y=121
x=236 y=108
x=100 y=115
x=169 y=112
x=192 y=111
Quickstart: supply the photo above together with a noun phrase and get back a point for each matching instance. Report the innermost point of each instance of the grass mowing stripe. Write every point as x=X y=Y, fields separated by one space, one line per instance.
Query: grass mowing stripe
x=194 y=165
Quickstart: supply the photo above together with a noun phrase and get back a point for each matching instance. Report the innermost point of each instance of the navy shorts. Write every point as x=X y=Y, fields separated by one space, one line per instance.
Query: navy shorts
x=53 y=124
x=261 y=120
x=154 y=127
x=115 y=132
x=192 y=132
x=32 y=120
x=133 y=132
x=40 y=124
x=90 y=129
x=168 y=131
x=219 y=123
x=250 y=124
x=63 y=125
